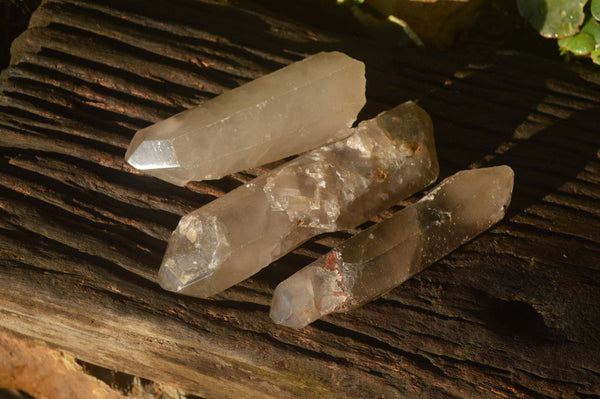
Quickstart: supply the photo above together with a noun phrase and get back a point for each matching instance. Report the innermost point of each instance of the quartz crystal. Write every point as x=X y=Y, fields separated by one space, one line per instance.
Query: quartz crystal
x=380 y=258
x=334 y=187
x=297 y=108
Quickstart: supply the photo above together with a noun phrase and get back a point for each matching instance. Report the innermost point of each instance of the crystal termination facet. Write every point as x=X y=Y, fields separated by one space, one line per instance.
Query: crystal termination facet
x=295 y=109
x=334 y=187
x=382 y=257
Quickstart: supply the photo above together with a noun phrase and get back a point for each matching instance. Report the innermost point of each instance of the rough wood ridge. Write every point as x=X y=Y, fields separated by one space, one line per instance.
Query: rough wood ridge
x=516 y=313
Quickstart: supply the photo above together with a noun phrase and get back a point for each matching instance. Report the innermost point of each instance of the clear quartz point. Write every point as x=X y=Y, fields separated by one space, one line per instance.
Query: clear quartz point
x=382 y=257
x=295 y=109
x=334 y=187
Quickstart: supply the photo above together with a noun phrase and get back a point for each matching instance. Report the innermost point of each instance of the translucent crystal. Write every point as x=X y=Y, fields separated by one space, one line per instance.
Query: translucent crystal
x=335 y=187
x=297 y=108
x=382 y=257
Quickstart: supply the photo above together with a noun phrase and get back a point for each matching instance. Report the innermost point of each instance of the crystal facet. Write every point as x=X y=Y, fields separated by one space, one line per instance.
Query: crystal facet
x=297 y=108
x=334 y=187
x=382 y=257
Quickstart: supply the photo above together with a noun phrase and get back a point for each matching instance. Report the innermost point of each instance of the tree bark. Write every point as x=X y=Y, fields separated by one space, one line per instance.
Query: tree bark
x=514 y=313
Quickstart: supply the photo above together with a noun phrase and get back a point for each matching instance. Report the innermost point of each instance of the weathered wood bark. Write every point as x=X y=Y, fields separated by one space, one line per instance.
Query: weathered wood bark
x=515 y=313
x=46 y=373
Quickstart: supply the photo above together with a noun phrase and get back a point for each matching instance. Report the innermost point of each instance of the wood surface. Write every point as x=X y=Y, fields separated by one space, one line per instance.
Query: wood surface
x=515 y=313
x=46 y=373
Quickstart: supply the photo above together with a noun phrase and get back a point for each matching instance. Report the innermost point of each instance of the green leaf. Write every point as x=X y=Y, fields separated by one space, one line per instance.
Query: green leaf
x=580 y=44
x=595 y=9
x=553 y=18
x=595 y=55
x=592 y=27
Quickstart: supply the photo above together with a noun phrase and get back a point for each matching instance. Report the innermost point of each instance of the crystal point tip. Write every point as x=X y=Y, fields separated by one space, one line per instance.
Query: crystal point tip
x=168 y=280
x=294 y=305
x=152 y=154
x=281 y=311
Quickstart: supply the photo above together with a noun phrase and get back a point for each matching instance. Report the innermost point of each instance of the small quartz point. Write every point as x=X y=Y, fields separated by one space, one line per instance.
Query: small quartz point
x=295 y=109
x=334 y=187
x=382 y=257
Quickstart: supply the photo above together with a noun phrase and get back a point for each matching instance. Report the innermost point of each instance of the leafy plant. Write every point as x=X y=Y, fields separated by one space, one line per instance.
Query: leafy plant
x=575 y=23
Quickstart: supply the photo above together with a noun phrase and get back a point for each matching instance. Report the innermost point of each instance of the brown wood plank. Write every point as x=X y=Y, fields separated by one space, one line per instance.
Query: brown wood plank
x=515 y=313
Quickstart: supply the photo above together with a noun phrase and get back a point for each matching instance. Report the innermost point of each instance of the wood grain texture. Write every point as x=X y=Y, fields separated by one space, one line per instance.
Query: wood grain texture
x=515 y=313
x=46 y=373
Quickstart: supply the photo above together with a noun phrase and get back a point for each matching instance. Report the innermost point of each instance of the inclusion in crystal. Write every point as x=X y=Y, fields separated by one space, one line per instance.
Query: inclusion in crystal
x=334 y=187
x=382 y=257
x=297 y=108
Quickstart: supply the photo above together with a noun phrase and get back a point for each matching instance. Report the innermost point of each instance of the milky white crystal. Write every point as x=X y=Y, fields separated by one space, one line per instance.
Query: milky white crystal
x=297 y=108
x=380 y=258
x=335 y=187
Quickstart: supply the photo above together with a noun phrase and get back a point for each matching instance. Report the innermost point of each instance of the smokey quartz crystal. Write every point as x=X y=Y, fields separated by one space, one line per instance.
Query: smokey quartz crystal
x=295 y=109
x=382 y=257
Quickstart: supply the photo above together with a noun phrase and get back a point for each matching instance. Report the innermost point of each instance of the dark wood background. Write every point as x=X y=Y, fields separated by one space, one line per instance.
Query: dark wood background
x=515 y=313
